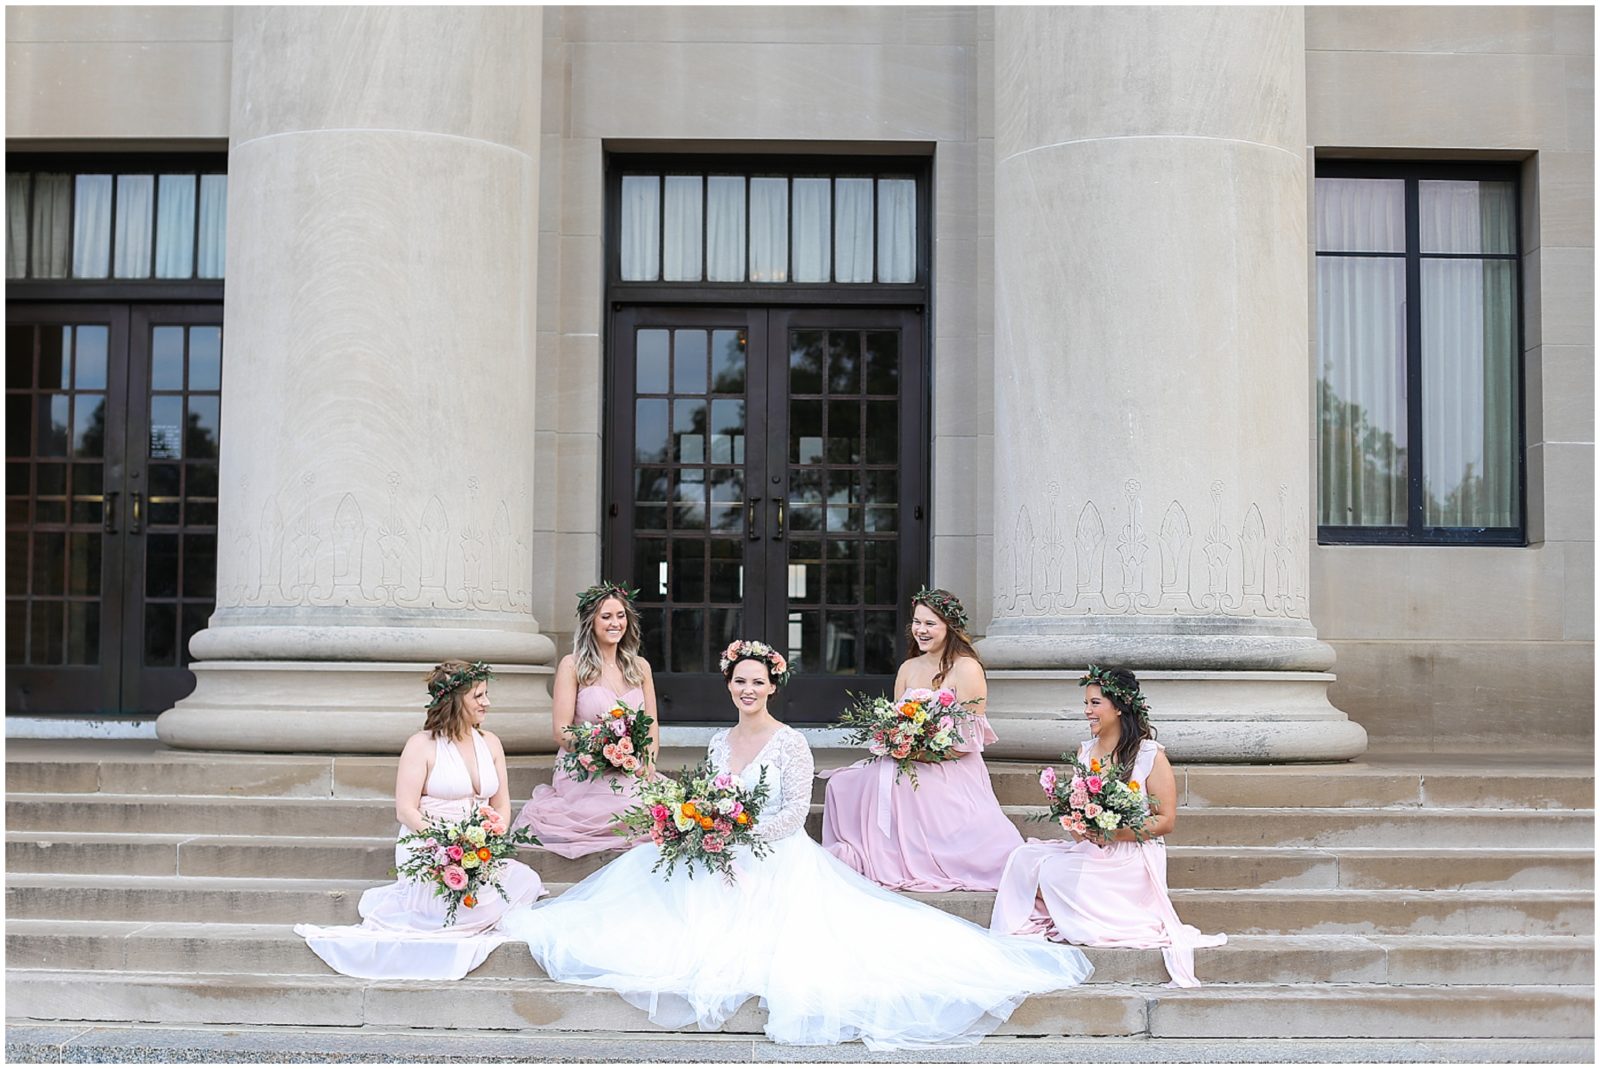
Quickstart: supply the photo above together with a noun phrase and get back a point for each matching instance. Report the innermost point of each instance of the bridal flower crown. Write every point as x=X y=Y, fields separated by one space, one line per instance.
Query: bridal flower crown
x=743 y=649
x=605 y=589
x=945 y=604
x=1133 y=696
x=472 y=673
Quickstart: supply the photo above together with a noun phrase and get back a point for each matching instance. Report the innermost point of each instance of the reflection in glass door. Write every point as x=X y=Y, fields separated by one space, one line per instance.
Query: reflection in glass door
x=768 y=480
x=113 y=424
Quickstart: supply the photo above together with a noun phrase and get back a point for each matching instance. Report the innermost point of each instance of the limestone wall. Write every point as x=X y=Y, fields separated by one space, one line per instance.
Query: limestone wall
x=1456 y=646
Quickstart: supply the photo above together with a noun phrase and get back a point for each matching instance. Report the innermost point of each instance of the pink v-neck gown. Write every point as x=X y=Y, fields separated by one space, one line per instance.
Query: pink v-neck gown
x=574 y=818
x=1100 y=896
x=947 y=834
x=402 y=934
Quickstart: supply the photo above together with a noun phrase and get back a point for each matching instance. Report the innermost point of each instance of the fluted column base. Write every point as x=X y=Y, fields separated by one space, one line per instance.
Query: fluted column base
x=340 y=707
x=1210 y=716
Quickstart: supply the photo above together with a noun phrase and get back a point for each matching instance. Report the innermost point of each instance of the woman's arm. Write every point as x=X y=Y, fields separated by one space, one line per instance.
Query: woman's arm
x=798 y=768
x=564 y=700
x=502 y=797
x=650 y=710
x=966 y=678
x=416 y=761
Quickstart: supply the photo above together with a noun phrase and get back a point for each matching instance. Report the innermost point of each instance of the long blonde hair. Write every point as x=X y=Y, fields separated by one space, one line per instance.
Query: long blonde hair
x=586 y=648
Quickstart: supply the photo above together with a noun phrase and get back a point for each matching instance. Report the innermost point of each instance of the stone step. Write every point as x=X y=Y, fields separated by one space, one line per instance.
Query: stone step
x=118 y=1042
x=179 y=947
x=1284 y=911
x=158 y=854
x=1260 y=827
x=532 y=1004
x=1378 y=781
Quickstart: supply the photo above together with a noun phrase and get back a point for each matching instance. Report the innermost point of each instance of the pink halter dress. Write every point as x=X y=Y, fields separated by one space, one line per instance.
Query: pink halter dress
x=947 y=834
x=571 y=817
x=402 y=934
x=1100 y=896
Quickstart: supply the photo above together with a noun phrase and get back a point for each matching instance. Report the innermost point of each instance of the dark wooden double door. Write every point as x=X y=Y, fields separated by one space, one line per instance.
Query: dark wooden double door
x=113 y=420
x=768 y=479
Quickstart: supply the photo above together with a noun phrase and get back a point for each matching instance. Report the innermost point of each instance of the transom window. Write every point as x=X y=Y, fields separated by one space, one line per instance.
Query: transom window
x=851 y=224
x=140 y=223
x=1419 y=377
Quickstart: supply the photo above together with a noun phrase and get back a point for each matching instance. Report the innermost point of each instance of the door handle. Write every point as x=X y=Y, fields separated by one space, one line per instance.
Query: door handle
x=777 y=535
x=752 y=519
x=111 y=512
x=136 y=499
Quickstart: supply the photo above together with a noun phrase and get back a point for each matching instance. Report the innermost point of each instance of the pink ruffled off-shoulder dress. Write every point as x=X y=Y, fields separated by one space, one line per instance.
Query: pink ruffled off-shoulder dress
x=572 y=817
x=946 y=834
x=402 y=934
x=1100 y=896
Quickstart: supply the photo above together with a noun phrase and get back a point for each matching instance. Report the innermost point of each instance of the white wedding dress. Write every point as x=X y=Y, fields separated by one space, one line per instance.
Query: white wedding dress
x=832 y=956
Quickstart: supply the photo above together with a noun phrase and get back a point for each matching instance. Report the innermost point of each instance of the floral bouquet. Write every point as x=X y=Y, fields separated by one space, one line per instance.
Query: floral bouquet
x=618 y=744
x=462 y=857
x=924 y=725
x=1095 y=799
x=697 y=816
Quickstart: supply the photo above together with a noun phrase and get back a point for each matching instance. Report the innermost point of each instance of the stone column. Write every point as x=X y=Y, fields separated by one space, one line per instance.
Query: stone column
x=378 y=445
x=1152 y=477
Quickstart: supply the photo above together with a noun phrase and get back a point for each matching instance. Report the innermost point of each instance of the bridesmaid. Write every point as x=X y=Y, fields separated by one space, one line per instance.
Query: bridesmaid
x=577 y=817
x=1108 y=891
x=446 y=770
x=949 y=833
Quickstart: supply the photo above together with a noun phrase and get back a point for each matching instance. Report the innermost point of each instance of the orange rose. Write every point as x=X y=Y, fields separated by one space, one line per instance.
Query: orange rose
x=1094 y=765
x=469 y=901
x=742 y=818
x=618 y=713
x=484 y=853
x=908 y=710
x=690 y=811
x=1133 y=785
x=705 y=823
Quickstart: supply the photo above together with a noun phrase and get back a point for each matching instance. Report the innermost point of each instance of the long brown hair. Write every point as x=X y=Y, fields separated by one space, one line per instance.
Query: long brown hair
x=449 y=717
x=1135 y=729
x=957 y=643
x=586 y=648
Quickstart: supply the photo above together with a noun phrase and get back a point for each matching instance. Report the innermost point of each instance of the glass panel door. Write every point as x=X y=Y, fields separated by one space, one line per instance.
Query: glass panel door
x=66 y=392
x=768 y=480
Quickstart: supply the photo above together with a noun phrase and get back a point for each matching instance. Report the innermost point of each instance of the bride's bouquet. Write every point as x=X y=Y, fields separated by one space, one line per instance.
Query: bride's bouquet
x=697 y=816
x=619 y=744
x=1095 y=799
x=924 y=725
x=462 y=857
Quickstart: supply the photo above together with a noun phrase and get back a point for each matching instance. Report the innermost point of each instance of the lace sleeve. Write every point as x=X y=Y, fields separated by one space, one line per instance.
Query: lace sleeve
x=797 y=769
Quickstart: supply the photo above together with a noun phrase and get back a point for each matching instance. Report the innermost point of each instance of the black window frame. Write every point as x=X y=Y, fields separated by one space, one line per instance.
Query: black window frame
x=760 y=165
x=111 y=289
x=1416 y=532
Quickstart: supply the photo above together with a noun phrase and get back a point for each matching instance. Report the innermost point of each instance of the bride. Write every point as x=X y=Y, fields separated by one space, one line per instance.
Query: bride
x=832 y=956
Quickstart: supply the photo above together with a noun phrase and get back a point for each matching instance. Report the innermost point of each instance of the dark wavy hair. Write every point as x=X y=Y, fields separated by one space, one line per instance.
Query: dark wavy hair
x=1135 y=729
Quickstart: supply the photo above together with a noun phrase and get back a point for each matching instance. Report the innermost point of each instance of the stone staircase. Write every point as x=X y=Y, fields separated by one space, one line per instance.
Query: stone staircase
x=1427 y=899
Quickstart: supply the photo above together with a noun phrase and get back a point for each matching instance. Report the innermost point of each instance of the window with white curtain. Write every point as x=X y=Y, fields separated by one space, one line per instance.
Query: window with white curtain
x=1419 y=378
x=854 y=226
x=116 y=221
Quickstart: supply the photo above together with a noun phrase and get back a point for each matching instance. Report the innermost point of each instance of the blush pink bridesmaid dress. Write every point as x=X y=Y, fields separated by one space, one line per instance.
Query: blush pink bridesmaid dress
x=572 y=817
x=947 y=834
x=1100 y=896
x=402 y=934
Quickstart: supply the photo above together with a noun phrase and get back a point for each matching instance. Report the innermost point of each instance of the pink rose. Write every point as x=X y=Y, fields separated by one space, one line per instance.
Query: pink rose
x=901 y=752
x=454 y=851
x=712 y=843
x=779 y=665
x=455 y=877
x=431 y=843
x=1077 y=783
x=656 y=836
x=630 y=764
x=659 y=812
x=877 y=749
x=1095 y=784
x=723 y=782
x=1091 y=811
x=1047 y=780
x=610 y=753
x=946 y=723
x=732 y=650
x=1066 y=821
x=947 y=698
x=723 y=827
x=625 y=745
x=738 y=807
x=440 y=857
x=1078 y=799
x=587 y=762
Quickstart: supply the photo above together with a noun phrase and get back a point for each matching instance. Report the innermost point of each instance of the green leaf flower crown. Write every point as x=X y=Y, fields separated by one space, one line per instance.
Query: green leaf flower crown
x=1134 y=697
x=602 y=590
x=472 y=673
x=744 y=649
x=945 y=604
